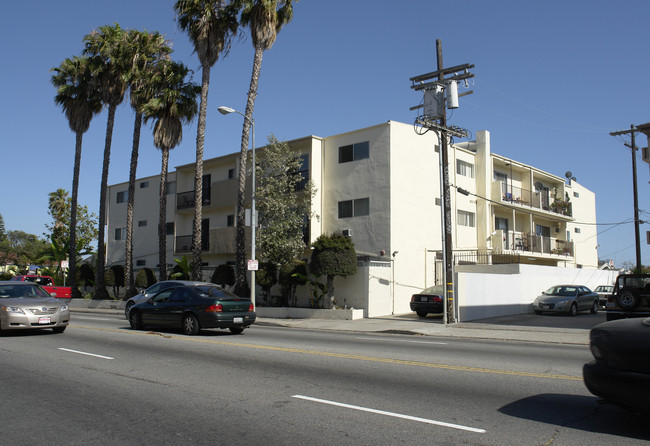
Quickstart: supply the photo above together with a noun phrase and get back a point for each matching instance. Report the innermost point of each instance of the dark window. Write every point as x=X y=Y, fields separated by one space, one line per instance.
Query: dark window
x=169 y=228
x=142 y=223
x=354 y=152
x=144 y=184
x=230 y=220
x=122 y=196
x=231 y=174
x=120 y=233
x=140 y=262
x=354 y=208
x=171 y=187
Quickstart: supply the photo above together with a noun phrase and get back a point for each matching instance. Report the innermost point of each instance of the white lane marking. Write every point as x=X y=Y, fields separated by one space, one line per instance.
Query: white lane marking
x=85 y=353
x=403 y=340
x=391 y=414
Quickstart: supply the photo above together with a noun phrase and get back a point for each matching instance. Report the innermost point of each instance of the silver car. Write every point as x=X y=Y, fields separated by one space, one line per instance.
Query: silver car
x=26 y=305
x=155 y=289
x=566 y=299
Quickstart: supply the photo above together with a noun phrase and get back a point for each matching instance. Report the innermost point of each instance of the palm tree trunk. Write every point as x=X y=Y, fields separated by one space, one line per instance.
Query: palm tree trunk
x=162 y=217
x=241 y=285
x=100 y=288
x=72 y=254
x=198 y=176
x=128 y=255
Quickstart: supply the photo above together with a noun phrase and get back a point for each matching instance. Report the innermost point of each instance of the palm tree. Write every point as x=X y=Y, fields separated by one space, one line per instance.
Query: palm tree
x=210 y=24
x=173 y=103
x=106 y=48
x=145 y=50
x=265 y=18
x=78 y=95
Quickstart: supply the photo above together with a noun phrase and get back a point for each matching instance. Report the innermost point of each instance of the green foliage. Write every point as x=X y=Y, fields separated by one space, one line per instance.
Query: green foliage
x=6 y=276
x=292 y=274
x=266 y=277
x=334 y=255
x=182 y=269
x=316 y=288
x=86 y=275
x=21 y=249
x=223 y=275
x=145 y=278
x=284 y=204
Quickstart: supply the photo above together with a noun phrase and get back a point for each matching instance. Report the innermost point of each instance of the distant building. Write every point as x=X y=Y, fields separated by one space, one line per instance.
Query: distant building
x=381 y=186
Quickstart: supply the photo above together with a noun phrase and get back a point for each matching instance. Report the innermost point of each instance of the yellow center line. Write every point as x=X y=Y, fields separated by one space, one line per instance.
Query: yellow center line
x=350 y=356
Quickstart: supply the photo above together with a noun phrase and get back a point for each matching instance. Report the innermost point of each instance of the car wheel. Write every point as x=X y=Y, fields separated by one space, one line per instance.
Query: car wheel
x=190 y=324
x=236 y=330
x=421 y=313
x=594 y=307
x=58 y=329
x=573 y=311
x=135 y=319
x=627 y=300
x=127 y=309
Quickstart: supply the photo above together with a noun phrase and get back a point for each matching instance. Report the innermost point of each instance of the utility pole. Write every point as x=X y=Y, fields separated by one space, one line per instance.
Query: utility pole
x=633 y=148
x=435 y=118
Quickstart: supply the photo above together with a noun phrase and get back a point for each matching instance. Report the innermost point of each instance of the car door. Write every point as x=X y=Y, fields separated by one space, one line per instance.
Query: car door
x=172 y=313
x=586 y=299
x=154 y=314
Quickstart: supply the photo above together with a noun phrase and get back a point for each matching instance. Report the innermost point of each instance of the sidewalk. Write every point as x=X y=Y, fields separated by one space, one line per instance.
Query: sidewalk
x=402 y=324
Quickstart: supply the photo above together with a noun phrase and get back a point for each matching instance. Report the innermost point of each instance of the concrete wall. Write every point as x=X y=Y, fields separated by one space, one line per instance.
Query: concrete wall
x=510 y=289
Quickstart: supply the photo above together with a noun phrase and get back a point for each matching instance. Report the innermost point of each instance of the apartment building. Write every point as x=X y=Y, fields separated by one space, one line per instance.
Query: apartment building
x=381 y=186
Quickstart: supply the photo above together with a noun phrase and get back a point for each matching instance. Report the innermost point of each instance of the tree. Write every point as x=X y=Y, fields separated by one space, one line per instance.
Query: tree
x=78 y=94
x=284 y=199
x=210 y=24
x=223 y=275
x=145 y=50
x=266 y=277
x=333 y=256
x=264 y=18
x=292 y=274
x=173 y=103
x=24 y=249
x=106 y=49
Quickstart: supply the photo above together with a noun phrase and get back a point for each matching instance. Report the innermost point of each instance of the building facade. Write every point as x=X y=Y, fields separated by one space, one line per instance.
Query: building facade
x=381 y=186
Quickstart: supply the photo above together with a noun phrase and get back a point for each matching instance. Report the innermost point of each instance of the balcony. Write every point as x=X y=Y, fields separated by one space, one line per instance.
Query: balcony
x=184 y=244
x=216 y=241
x=538 y=199
x=186 y=200
x=526 y=243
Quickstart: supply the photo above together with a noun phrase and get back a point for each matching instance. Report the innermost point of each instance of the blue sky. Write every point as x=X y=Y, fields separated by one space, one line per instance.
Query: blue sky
x=553 y=79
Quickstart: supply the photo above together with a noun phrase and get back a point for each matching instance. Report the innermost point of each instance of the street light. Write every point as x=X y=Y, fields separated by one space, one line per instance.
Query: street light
x=226 y=111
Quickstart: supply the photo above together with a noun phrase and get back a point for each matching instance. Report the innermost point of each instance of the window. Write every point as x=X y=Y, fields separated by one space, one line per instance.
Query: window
x=230 y=220
x=231 y=174
x=577 y=230
x=122 y=196
x=142 y=223
x=354 y=152
x=120 y=233
x=498 y=176
x=140 y=262
x=303 y=170
x=438 y=202
x=169 y=228
x=466 y=219
x=171 y=187
x=464 y=168
x=354 y=208
x=576 y=194
x=144 y=184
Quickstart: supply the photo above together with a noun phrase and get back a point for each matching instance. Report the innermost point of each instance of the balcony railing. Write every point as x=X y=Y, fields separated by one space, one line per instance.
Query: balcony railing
x=186 y=200
x=538 y=199
x=538 y=244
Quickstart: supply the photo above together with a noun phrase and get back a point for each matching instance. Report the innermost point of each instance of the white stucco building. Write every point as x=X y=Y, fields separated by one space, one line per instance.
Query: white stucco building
x=381 y=186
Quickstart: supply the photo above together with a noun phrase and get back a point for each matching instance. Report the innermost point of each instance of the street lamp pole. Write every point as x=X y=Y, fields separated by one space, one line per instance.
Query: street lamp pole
x=225 y=111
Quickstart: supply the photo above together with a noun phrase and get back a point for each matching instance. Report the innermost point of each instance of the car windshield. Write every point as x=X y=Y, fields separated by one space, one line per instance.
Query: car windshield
x=436 y=289
x=214 y=291
x=561 y=291
x=604 y=288
x=18 y=291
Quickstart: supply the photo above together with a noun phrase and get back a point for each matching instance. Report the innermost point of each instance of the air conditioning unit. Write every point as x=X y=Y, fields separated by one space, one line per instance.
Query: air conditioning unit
x=645 y=154
x=347 y=232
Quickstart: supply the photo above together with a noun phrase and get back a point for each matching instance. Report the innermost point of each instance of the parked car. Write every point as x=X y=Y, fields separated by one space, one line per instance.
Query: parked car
x=603 y=291
x=620 y=372
x=156 y=288
x=192 y=308
x=62 y=292
x=428 y=301
x=630 y=297
x=26 y=305
x=566 y=299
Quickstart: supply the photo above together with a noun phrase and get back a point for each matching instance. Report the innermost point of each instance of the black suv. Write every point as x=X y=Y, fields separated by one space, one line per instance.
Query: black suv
x=630 y=298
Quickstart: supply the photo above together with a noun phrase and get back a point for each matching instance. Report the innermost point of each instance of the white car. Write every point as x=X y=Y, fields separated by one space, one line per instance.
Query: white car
x=155 y=289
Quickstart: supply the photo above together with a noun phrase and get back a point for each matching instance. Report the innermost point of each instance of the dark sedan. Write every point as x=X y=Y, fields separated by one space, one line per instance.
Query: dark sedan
x=428 y=301
x=192 y=309
x=620 y=372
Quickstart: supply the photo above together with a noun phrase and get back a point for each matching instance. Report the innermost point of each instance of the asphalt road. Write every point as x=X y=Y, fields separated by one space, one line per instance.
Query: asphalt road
x=102 y=383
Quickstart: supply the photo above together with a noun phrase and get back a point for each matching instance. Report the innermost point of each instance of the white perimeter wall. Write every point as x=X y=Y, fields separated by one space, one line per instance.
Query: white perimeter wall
x=511 y=289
